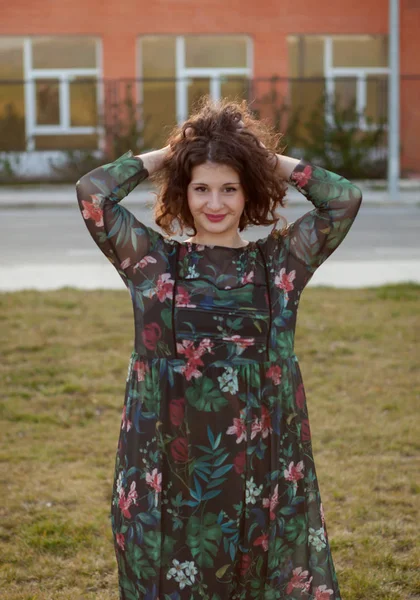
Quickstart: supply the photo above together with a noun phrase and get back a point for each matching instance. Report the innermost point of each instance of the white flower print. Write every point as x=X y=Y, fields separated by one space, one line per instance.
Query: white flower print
x=183 y=578
x=190 y=570
x=317 y=538
x=119 y=482
x=191 y=272
x=229 y=381
x=252 y=491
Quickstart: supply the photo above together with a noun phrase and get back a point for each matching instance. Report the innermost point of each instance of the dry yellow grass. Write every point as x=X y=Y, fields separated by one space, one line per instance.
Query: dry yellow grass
x=62 y=378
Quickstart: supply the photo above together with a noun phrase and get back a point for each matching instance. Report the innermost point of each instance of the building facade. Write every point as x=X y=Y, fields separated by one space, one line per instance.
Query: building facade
x=66 y=67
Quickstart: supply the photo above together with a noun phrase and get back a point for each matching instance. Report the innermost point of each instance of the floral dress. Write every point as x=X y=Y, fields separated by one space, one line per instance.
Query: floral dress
x=215 y=493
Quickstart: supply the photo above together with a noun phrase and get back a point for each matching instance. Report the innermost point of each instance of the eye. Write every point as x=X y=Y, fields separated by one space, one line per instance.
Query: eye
x=230 y=189
x=200 y=188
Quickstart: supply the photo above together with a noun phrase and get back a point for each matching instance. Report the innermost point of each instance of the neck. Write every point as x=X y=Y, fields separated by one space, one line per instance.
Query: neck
x=236 y=242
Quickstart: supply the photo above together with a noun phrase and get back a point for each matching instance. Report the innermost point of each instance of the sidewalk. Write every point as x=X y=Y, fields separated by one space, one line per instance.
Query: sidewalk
x=65 y=195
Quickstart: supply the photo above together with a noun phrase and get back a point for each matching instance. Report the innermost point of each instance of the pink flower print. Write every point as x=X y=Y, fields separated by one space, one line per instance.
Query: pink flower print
x=183 y=299
x=272 y=502
x=274 y=372
x=263 y=425
x=241 y=342
x=144 y=262
x=262 y=540
x=238 y=428
x=140 y=367
x=125 y=263
x=154 y=479
x=298 y=581
x=120 y=540
x=284 y=281
x=294 y=473
x=321 y=593
x=164 y=287
x=125 y=502
x=302 y=177
x=321 y=512
x=92 y=210
x=248 y=277
x=126 y=424
x=193 y=356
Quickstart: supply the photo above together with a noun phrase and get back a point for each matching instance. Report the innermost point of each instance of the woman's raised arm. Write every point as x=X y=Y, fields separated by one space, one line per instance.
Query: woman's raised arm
x=317 y=233
x=115 y=230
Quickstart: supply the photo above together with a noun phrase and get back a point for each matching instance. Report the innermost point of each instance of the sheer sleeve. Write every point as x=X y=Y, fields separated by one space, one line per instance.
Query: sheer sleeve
x=115 y=230
x=316 y=234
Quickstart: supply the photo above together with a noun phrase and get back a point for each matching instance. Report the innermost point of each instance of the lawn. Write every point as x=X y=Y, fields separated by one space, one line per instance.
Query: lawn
x=62 y=379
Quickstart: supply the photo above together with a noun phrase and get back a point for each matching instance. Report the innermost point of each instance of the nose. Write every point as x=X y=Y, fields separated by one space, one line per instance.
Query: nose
x=215 y=202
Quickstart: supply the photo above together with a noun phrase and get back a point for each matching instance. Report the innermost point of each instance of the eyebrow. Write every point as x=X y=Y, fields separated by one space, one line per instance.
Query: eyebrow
x=227 y=183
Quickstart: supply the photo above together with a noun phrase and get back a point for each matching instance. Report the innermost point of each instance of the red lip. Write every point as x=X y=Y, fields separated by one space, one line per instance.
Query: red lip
x=215 y=217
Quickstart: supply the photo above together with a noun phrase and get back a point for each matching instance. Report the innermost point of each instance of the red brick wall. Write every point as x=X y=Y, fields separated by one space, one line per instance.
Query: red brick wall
x=119 y=23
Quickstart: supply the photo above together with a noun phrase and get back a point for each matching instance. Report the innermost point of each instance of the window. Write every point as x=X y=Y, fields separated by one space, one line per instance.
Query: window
x=53 y=104
x=176 y=71
x=348 y=68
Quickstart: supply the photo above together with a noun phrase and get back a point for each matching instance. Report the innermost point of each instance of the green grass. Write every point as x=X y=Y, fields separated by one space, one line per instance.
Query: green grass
x=62 y=375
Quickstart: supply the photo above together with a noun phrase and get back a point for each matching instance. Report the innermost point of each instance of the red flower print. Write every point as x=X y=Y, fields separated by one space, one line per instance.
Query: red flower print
x=241 y=342
x=120 y=540
x=125 y=263
x=321 y=593
x=154 y=479
x=305 y=431
x=179 y=449
x=263 y=426
x=262 y=541
x=300 y=396
x=151 y=335
x=176 y=411
x=284 y=281
x=244 y=564
x=140 y=368
x=125 y=424
x=182 y=298
x=275 y=373
x=298 y=581
x=92 y=210
x=238 y=428
x=248 y=277
x=321 y=512
x=272 y=502
x=294 y=473
x=164 y=287
x=125 y=502
x=144 y=262
x=193 y=356
x=239 y=462
x=302 y=177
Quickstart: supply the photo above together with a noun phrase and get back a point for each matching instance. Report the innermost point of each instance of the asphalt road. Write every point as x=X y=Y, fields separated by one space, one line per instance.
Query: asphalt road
x=46 y=248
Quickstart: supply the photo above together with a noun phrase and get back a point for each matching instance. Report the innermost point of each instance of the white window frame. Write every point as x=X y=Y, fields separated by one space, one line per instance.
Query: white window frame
x=184 y=73
x=64 y=76
x=360 y=73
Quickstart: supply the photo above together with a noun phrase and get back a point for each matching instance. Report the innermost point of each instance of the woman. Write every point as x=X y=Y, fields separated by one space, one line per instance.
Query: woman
x=215 y=493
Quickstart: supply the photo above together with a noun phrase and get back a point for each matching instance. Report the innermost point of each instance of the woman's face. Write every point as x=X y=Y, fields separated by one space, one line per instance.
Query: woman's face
x=215 y=189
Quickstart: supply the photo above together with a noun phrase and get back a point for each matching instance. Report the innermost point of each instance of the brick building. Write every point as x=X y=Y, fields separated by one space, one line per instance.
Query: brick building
x=53 y=54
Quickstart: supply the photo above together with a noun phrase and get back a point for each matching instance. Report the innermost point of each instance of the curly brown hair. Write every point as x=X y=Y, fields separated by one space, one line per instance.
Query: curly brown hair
x=223 y=132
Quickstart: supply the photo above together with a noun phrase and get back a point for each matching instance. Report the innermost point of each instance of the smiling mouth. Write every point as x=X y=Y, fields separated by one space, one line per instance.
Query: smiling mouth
x=215 y=217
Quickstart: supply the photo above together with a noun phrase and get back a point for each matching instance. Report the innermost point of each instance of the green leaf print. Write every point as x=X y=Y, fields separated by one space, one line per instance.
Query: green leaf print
x=278 y=554
x=203 y=395
x=138 y=562
x=296 y=529
x=203 y=538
